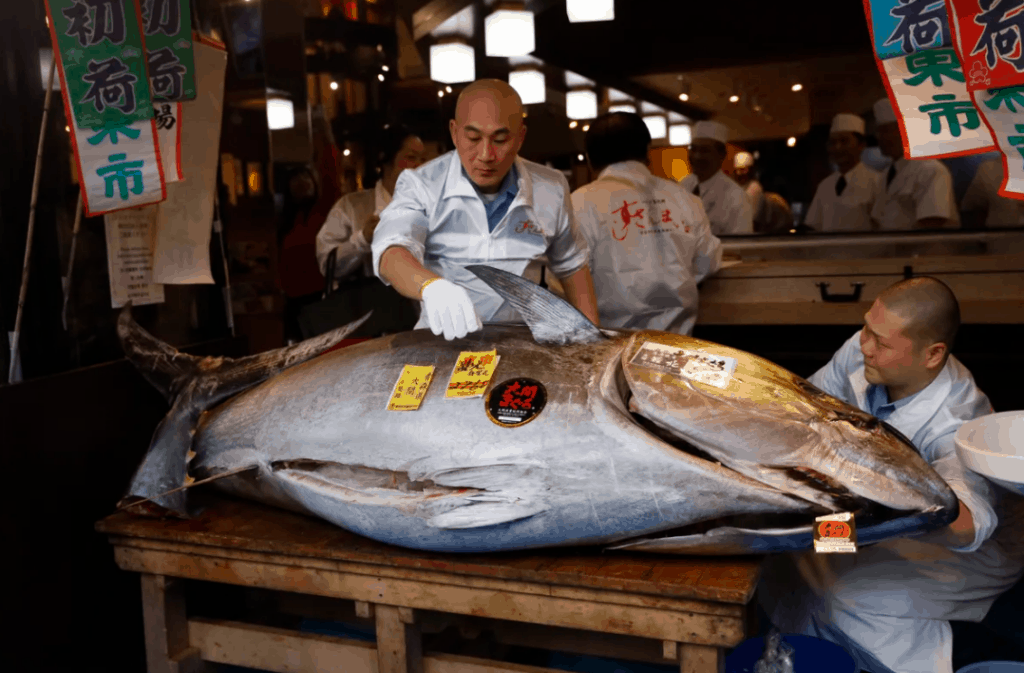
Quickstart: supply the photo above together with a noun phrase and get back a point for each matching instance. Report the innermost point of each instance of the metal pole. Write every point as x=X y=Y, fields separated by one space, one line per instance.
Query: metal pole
x=31 y=223
x=71 y=258
x=226 y=290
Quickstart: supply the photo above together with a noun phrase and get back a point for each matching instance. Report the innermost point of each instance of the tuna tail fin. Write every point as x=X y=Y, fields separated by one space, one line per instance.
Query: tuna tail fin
x=192 y=385
x=551 y=319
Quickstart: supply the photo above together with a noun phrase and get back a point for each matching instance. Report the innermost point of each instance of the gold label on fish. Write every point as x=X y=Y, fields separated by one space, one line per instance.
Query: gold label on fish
x=714 y=370
x=835 y=533
x=411 y=388
x=472 y=374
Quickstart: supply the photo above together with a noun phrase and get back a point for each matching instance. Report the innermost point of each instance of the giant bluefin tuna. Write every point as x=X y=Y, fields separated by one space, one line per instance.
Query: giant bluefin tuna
x=646 y=440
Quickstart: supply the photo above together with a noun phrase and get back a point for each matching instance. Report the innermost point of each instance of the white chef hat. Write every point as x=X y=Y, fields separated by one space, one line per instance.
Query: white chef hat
x=845 y=122
x=712 y=130
x=743 y=160
x=883 y=112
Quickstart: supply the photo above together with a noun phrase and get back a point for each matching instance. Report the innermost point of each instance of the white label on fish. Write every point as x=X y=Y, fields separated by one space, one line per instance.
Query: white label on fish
x=714 y=370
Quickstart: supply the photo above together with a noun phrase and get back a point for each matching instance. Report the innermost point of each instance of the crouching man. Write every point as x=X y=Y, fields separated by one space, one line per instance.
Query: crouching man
x=890 y=604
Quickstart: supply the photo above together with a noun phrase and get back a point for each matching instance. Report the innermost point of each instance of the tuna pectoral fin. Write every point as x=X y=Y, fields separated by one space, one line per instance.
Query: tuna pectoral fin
x=727 y=541
x=483 y=512
x=550 y=318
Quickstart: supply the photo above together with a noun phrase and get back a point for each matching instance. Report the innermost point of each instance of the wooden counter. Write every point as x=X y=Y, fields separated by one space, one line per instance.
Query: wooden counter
x=696 y=607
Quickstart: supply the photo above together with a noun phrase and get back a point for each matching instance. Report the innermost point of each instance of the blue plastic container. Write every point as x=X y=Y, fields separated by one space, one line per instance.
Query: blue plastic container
x=810 y=655
x=994 y=667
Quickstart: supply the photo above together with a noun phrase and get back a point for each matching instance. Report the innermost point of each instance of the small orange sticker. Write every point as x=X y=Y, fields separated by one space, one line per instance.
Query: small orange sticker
x=834 y=529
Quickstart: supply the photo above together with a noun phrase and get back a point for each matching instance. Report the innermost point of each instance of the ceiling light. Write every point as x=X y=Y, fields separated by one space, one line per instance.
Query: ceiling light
x=797 y=86
x=280 y=114
x=68 y=129
x=385 y=68
x=334 y=86
x=581 y=104
x=614 y=96
x=509 y=33
x=684 y=97
x=580 y=157
x=675 y=117
x=734 y=98
x=573 y=124
x=586 y=127
x=657 y=125
x=791 y=142
x=622 y=108
x=347 y=152
x=380 y=77
x=679 y=135
x=530 y=85
x=574 y=80
x=447 y=89
x=440 y=94
x=452 y=62
x=581 y=11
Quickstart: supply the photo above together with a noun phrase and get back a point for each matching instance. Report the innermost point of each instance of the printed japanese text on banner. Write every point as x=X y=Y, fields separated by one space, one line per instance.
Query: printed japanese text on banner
x=119 y=166
x=102 y=56
x=902 y=27
x=1004 y=112
x=990 y=40
x=938 y=115
x=168 y=131
x=168 y=28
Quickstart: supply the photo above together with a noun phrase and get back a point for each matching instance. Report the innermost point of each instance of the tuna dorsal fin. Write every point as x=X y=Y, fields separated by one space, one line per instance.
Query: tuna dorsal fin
x=192 y=385
x=551 y=319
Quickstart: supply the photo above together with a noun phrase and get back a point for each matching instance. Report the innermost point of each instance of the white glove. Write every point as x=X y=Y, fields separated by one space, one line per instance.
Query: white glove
x=449 y=309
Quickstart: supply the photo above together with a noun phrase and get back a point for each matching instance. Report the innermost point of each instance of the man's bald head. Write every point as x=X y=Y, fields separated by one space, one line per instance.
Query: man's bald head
x=928 y=306
x=488 y=131
x=492 y=91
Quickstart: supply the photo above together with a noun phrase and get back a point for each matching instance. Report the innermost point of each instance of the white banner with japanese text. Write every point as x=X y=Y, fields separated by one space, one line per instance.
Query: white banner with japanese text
x=937 y=115
x=168 y=131
x=1003 y=110
x=119 y=166
x=130 y=257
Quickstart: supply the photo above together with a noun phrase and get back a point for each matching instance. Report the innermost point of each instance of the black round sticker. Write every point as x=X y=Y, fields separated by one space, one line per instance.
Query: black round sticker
x=516 y=401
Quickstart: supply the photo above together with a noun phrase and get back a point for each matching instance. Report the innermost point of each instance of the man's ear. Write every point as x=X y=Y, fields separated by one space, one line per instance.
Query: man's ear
x=934 y=355
x=453 y=128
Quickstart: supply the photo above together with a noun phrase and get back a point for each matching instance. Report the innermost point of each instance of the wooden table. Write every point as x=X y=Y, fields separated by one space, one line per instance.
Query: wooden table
x=689 y=608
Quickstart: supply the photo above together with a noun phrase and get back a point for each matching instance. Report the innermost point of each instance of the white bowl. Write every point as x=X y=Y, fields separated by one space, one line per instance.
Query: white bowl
x=993 y=446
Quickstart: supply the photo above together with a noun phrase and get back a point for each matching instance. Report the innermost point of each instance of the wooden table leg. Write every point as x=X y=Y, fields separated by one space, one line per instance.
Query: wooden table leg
x=166 y=627
x=399 y=646
x=701 y=659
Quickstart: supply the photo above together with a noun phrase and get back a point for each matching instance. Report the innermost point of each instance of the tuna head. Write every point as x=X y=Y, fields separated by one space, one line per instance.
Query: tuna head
x=776 y=428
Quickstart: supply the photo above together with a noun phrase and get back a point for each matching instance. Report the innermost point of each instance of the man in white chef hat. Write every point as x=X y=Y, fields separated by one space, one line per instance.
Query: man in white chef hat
x=743 y=173
x=844 y=200
x=725 y=202
x=917 y=193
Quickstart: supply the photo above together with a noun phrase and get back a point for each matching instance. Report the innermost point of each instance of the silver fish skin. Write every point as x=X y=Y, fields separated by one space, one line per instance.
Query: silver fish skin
x=620 y=455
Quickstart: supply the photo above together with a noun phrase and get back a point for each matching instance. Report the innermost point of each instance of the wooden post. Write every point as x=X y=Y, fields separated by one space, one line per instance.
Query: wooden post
x=399 y=648
x=700 y=659
x=166 y=627
x=669 y=650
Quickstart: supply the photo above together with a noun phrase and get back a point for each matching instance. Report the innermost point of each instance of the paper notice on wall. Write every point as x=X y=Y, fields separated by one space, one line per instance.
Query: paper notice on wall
x=185 y=218
x=130 y=257
x=168 y=134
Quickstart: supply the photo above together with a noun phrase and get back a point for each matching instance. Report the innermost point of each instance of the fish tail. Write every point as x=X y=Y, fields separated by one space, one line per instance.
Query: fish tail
x=192 y=385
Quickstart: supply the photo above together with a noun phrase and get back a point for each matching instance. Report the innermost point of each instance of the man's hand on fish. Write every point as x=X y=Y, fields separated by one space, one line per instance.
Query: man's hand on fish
x=449 y=309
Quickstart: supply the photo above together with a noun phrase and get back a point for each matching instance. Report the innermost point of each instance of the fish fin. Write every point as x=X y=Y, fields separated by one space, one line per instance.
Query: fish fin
x=192 y=385
x=727 y=541
x=550 y=318
x=485 y=512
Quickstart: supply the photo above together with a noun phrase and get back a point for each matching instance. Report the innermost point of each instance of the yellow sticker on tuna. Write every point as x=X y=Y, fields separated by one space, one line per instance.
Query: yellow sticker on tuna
x=411 y=388
x=472 y=373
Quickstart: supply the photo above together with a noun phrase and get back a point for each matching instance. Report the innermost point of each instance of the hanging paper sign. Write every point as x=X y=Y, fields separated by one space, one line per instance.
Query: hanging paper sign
x=168 y=132
x=130 y=257
x=119 y=165
x=937 y=115
x=989 y=36
x=902 y=27
x=167 y=25
x=102 y=60
x=1004 y=114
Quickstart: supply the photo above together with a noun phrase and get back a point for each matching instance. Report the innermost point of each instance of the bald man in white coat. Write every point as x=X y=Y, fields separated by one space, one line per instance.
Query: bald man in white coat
x=726 y=203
